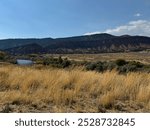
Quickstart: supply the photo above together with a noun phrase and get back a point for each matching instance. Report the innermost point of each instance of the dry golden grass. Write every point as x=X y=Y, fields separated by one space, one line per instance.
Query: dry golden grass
x=58 y=90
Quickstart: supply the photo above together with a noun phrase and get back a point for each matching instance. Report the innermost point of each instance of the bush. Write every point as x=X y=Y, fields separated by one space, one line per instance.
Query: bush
x=60 y=60
x=2 y=56
x=127 y=68
x=137 y=64
x=130 y=67
x=47 y=61
x=120 y=62
x=91 y=66
x=33 y=55
x=99 y=67
x=109 y=65
x=120 y=65
x=65 y=63
x=57 y=62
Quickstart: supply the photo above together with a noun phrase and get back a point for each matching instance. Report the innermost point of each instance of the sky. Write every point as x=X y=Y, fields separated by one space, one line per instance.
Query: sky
x=65 y=18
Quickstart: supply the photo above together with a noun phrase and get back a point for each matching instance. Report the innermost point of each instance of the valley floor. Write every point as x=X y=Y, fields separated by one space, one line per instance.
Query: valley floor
x=143 y=57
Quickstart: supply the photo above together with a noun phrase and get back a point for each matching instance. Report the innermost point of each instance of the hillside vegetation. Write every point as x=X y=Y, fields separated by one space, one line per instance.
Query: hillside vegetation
x=45 y=89
x=88 y=44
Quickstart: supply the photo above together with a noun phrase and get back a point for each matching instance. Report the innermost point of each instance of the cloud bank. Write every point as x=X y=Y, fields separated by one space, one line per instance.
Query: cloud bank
x=139 y=27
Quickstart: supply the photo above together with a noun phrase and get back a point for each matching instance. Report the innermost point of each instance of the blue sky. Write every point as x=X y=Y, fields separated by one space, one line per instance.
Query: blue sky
x=62 y=18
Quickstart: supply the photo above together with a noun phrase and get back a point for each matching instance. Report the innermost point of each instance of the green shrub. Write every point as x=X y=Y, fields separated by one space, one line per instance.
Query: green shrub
x=127 y=68
x=120 y=62
x=2 y=56
x=130 y=67
x=46 y=61
x=65 y=63
x=99 y=68
x=109 y=65
x=57 y=62
x=60 y=60
x=120 y=65
x=33 y=55
x=91 y=66
x=137 y=64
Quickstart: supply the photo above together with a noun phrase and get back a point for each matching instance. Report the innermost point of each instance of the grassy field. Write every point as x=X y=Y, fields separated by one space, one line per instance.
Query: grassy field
x=45 y=89
x=143 y=57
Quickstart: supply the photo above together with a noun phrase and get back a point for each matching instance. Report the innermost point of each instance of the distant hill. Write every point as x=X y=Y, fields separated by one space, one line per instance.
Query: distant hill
x=10 y=43
x=26 y=49
x=97 y=43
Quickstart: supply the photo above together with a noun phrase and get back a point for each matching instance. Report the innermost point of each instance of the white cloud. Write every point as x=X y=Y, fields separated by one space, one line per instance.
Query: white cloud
x=92 y=33
x=139 y=27
x=137 y=15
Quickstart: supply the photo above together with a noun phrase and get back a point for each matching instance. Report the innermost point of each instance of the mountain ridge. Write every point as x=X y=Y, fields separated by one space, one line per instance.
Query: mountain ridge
x=97 y=43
